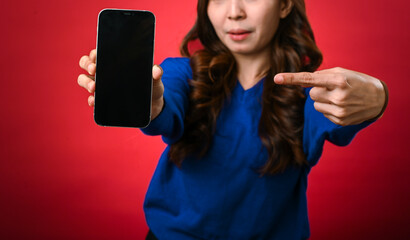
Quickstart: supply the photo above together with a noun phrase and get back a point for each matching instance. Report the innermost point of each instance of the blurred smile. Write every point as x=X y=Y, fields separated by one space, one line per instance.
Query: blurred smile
x=238 y=34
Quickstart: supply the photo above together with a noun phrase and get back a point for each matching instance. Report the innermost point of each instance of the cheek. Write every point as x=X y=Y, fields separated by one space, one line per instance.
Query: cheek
x=216 y=24
x=214 y=18
x=269 y=27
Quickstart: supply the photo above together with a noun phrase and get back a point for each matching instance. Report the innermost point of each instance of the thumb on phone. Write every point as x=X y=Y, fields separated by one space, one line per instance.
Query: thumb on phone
x=157 y=91
x=157 y=72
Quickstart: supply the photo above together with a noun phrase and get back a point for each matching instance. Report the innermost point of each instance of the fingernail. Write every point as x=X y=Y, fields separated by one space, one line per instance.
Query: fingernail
x=89 y=69
x=90 y=85
x=158 y=68
x=279 y=79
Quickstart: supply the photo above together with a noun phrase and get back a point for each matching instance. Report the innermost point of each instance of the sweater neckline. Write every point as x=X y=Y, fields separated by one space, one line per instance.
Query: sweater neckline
x=254 y=90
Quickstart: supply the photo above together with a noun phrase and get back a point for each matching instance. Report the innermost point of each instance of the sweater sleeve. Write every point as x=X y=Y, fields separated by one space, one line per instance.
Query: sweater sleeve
x=317 y=129
x=170 y=122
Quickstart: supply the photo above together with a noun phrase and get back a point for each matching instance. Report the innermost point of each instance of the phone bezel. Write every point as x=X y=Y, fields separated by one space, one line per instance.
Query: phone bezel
x=127 y=12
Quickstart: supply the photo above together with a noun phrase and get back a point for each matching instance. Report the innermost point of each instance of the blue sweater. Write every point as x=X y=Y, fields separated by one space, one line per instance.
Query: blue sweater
x=222 y=196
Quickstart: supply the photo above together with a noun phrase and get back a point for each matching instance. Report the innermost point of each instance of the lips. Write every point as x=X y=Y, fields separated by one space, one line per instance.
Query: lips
x=238 y=34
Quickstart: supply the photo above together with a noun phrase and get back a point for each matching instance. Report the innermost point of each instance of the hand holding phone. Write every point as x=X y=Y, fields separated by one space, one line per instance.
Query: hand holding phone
x=87 y=81
x=87 y=63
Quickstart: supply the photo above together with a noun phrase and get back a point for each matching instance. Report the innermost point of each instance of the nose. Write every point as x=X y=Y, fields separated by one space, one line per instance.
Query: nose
x=236 y=10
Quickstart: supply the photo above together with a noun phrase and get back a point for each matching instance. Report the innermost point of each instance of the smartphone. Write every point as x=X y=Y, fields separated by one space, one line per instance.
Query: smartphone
x=123 y=79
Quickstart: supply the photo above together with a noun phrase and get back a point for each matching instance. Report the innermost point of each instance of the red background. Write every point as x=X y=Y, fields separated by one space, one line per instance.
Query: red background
x=64 y=177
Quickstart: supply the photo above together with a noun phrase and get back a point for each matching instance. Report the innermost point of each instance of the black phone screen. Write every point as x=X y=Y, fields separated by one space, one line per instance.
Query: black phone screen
x=125 y=46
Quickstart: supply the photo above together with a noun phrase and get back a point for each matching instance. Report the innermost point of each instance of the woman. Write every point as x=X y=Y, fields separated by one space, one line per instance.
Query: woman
x=243 y=135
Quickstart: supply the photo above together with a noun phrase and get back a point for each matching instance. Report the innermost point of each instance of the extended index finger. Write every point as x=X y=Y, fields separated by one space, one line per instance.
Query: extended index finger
x=304 y=79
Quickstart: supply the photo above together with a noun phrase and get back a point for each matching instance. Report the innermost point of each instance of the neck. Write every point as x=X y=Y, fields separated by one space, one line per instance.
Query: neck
x=252 y=68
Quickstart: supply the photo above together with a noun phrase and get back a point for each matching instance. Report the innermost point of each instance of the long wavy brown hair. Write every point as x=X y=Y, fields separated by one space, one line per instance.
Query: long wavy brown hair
x=215 y=75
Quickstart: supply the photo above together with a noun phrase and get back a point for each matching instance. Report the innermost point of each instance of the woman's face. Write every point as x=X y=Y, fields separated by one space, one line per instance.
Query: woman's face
x=246 y=27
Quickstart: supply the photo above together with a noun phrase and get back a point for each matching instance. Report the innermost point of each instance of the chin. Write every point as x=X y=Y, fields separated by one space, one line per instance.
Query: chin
x=240 y=50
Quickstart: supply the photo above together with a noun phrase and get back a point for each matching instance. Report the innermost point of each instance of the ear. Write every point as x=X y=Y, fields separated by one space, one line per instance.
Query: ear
x=285 y=7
